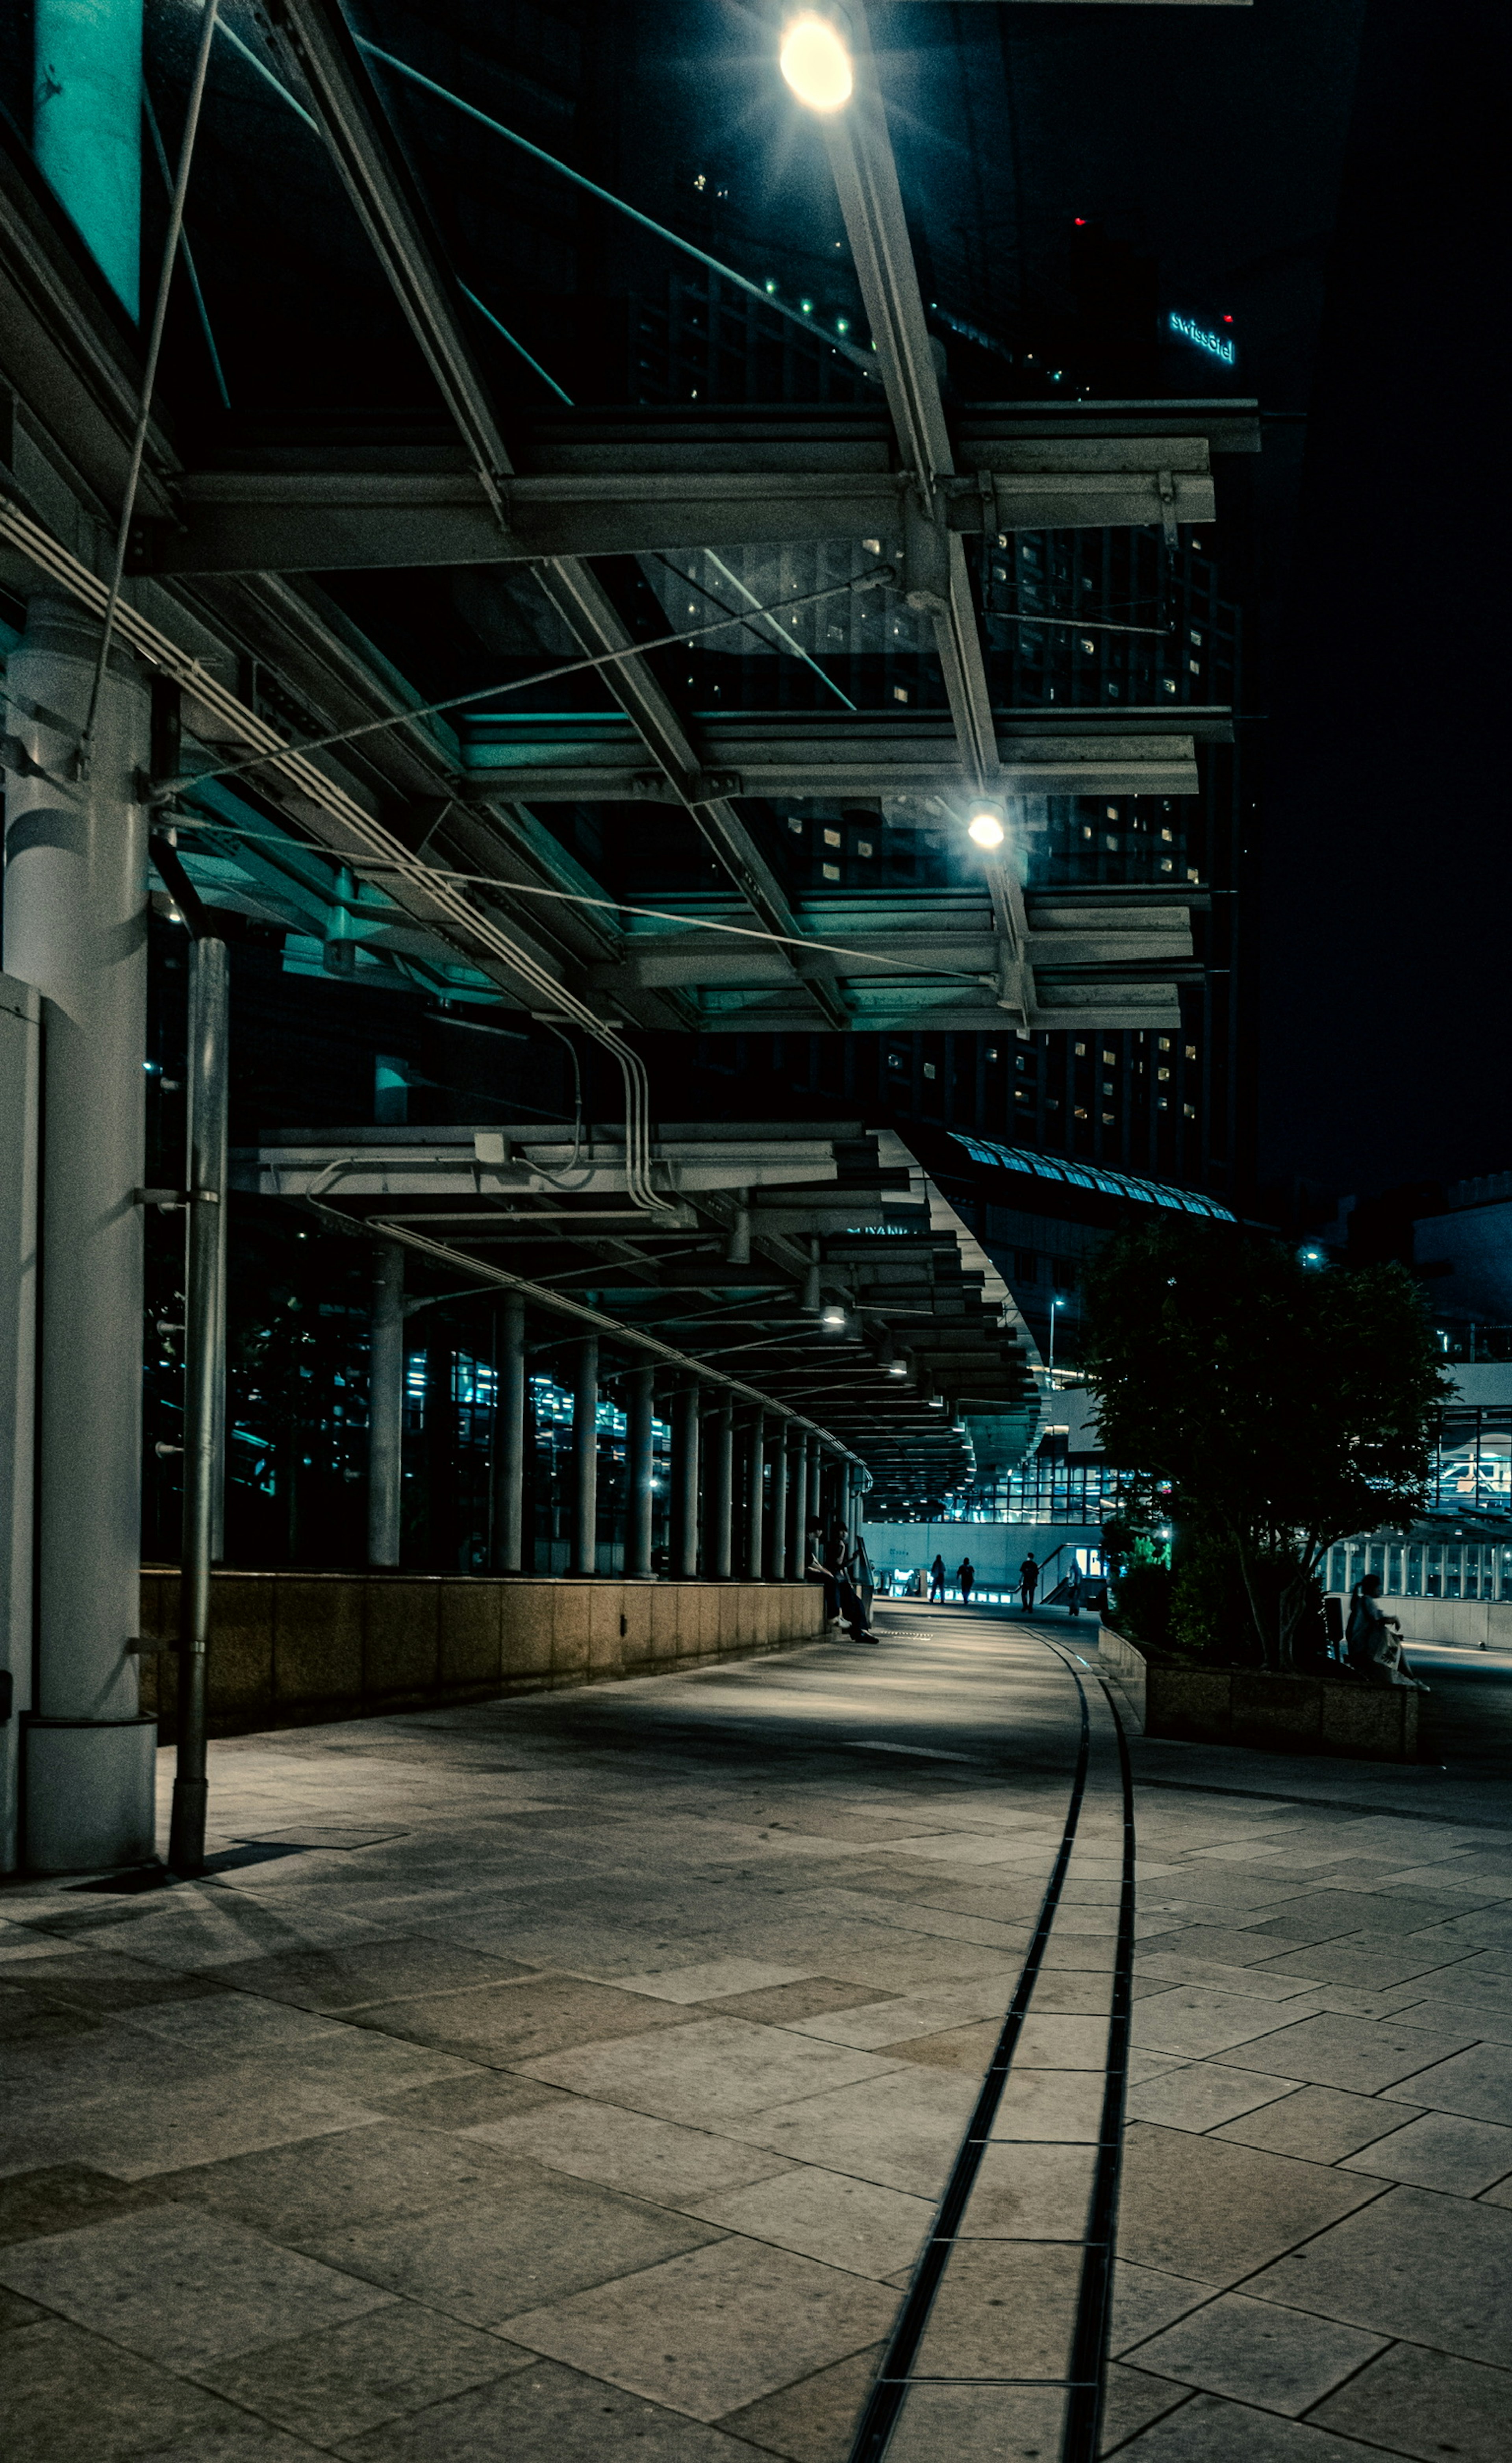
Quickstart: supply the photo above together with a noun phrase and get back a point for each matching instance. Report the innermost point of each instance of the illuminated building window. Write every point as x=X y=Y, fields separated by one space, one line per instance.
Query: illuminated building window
x=1190 y=1111
x=1081 y=1052
x=1109 y=1060
x=1162 y=1074
x=1112 y=811
x=1169 y=836
x=929 y=1068
x=1166 y=865
x=1108 y=1120
x=1195 y=666
x=830 y=871
x=1191 y=872
x=1086 y=829
x=900 y=693
x=796 y=828
x=1168 y=682
x=1192 y=1051
x=862 y=847
x=1165 y=1043
x=832 y=837
x=1112 y=841
x=1079 y=1113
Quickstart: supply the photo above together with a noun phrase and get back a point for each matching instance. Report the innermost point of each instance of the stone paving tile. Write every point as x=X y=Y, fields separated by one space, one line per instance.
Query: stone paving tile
x=709 y=2069
x=180 y=2287
x=1145 y=2301
x=712 y=1981
x=629 y=2151
x=1208 y=2428
x=69 y=2397
x=978 y=2425
x=711 y=2332
x=955 y=2048
x=1320 y=2124
x=882 y=2024
x=1278 y=2359
x=1423 y=2403
x=1003 y=2309
x=1132 y=2400
x=55 y=2197
x=1202 y=2094
x=1157 y=1969
x=1332 y=2051
x=488 y=2255
x=1478 y=2082
x=902 y=2129
x=333 y=2385
x=815 y=2420
x=1030 y=2192
x=1427 y=2268
x=545 y=2415
x=295 y=2193
x=858 y=2225
x=1358 y=1961
x=1193 y=2020
x=1440 y=2151
x=1064 y=2104
x=787 y=2003
x=1198 y=2206
x=350 y=1978
x=511 y=2024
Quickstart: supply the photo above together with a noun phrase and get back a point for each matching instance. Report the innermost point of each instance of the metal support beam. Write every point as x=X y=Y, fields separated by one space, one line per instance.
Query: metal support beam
x=755 y=1495
x=685 y=1481
x=585 y=1455
x=509 y=1438
x=779 y=1471
x=721 y=1481
x=204 y=1343
x=638 y=1462
x=385 y=1406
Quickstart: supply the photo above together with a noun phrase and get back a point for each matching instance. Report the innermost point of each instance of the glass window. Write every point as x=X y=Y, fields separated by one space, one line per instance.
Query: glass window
x=1415 y=1573
x=1505 y=1557
x=1338 y=1569
x=1378 y=1562
x=831 y=872
x=1393 y=1571
x=832 y=837
x=1434 y=1584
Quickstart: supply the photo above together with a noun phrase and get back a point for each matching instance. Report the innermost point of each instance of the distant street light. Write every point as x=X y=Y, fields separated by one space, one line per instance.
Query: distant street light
x=816 y=63
x=1054 y=1305
x=985 y=828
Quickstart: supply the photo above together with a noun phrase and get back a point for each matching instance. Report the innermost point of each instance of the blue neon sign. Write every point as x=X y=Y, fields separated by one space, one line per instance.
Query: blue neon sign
x=1217 y=345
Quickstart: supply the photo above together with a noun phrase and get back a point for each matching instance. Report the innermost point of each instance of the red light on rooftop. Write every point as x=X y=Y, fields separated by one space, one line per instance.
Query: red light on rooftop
x=1228 y=321
x=1080 y=221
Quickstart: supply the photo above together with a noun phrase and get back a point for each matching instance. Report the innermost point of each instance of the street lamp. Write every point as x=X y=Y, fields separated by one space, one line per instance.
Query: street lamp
x=816 y=63
x=985 y=827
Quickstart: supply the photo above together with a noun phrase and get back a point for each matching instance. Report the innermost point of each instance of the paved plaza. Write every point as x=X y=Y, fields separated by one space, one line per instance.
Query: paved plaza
x=582 y=2075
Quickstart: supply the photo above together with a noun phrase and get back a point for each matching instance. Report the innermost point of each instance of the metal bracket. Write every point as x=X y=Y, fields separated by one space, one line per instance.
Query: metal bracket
x=1168 y=507
x=169 y=1199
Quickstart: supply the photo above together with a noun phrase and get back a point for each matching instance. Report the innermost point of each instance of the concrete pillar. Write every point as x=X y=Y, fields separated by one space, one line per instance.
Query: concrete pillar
x=816 y=1480
x=721 y=1482
x=509 y=1439
x=684 y=1482
x=385 y=1406
x=20 y=1101
x=640 y=1404
x=780 y=1561
x=76 y=927
x=585 y=1455
x=755 y=1465
x=87 y=128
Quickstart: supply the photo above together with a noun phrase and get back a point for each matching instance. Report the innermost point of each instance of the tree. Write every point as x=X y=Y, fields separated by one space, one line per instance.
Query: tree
x=1288 y=1406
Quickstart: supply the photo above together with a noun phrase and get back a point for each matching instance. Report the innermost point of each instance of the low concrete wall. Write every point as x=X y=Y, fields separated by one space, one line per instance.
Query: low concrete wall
x=1463 y=1624
x=288 y=1648
x=1277 y=1714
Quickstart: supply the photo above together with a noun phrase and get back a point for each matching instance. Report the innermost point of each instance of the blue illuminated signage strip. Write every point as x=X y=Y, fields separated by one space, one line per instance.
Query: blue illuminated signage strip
x=1217 y=345
x=1086 y=1175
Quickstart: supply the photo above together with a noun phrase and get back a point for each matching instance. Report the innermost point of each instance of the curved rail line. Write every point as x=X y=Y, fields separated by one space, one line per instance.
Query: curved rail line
x=1089 y=2336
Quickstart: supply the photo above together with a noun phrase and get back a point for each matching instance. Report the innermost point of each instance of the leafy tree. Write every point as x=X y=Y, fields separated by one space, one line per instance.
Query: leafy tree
x=1287 y=1405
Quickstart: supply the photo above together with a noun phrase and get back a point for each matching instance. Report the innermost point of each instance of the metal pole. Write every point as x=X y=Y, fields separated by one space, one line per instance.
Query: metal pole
x=779 y=1506
x=684 y=1482
x=385 y=1406
x=755 y=1465
x=638 y=1462
x=722 y=1477
x=585 y=1456
x=204 y=1328
x=509 y=1439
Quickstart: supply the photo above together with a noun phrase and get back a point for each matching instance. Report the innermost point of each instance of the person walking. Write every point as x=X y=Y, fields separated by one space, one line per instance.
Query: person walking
x=1073 y=1592
x=937 y=1582
x=1028 y=1581
x=965 y=1577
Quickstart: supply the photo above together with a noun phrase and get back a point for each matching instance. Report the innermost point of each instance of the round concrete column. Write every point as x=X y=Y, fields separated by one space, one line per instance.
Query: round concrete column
x=76 y=927
x=721 y=1475
x=780 y=1564
x=640 y=1405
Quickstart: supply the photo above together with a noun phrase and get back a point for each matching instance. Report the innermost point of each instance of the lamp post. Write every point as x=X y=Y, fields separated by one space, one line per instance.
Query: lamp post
x=1054 y=1305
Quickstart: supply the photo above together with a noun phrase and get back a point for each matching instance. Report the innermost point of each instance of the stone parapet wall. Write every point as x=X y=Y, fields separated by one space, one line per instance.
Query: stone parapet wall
x=287 y=1648
x=1278 y=1714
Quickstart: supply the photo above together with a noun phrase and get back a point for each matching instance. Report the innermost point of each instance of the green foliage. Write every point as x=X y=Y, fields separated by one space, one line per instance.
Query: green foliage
x=1140 y=1599
x=1286 y=1407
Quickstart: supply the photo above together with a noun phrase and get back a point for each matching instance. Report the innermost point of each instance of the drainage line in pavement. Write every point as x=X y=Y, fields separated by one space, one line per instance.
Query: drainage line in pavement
x=885 y=2402
x=1089 y=2340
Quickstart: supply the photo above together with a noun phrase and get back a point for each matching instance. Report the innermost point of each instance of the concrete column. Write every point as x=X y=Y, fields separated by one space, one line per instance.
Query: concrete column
x=76 y=927
x=721 y=1480
x=20 y=1101
x=755 y=1465
x=640 y=1404
x=780 y=1564
x=385 y=1406
x=684 y=1482
x=816 y=1480
x=87 y=128
x=509 y=1439
x=585 y=1455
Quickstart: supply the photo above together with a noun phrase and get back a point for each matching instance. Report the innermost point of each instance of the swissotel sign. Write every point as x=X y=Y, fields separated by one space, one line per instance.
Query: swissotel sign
x=1217 y=345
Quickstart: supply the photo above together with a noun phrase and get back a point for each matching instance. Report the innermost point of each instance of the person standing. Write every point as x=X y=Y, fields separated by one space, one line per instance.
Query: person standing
x=937 y=1582
x=1028 y=1581
x=965 y=1577
x=1073 y=1592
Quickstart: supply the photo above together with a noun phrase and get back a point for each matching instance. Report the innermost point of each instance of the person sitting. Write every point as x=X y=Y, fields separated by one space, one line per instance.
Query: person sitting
x=1374 y=1639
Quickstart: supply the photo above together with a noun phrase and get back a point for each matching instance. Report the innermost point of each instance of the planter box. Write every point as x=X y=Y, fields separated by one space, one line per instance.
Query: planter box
x=1277 y=1714
x=288 y=1648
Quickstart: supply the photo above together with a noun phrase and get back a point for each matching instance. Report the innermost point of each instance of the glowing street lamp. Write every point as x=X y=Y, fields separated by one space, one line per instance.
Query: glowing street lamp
x=985 y=827
x=816 y=63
